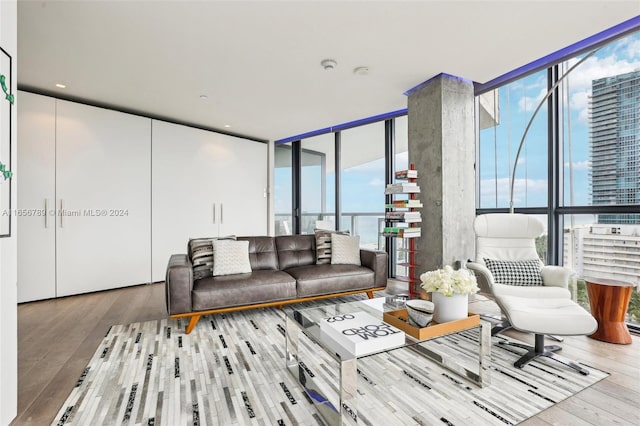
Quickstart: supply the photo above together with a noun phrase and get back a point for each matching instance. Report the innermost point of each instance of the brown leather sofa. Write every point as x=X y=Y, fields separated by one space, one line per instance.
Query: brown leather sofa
x=284 y=271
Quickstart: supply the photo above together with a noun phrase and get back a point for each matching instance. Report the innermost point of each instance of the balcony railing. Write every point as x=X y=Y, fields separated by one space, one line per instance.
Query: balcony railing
x=368 y=225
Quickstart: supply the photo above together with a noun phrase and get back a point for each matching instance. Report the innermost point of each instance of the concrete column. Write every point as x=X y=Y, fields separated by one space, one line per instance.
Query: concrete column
x=442 y=147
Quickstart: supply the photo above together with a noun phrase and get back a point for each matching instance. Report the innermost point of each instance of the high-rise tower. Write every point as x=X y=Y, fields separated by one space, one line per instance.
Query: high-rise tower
x=615 y=144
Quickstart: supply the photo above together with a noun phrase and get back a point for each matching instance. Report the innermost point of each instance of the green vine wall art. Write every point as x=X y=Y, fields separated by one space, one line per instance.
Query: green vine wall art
x=6 y=174
x=8 y=96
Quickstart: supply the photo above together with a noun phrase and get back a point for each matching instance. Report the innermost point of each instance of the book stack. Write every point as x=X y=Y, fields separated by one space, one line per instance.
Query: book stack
x=402 y=188
x=406 y=174
x=404 y=204
x=400 y=232
x=401 y=219
x=361 y=333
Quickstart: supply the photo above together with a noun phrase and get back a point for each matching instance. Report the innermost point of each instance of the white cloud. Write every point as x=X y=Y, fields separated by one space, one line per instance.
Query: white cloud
x=624 y=58
x=522 y=189
x=529 y=103
x=379 y=183
x=578 y=165
x=581 y=78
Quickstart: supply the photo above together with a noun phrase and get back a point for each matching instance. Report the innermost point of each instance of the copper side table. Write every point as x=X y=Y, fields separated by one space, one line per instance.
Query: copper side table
x=609 y=301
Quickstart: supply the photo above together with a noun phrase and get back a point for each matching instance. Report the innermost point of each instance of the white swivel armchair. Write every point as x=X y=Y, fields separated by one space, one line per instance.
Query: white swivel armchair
x=532 y=297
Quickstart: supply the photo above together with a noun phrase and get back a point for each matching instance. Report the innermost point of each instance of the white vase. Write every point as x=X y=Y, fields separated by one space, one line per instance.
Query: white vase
x=449 y=308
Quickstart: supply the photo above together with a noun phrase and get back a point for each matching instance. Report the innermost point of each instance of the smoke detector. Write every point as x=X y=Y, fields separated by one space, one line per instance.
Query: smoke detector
x=329 y=64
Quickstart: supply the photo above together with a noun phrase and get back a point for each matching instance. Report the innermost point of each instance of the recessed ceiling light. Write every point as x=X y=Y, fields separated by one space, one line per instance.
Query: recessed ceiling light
x=227 y=125
x=203 y=97
x=329 y=64
x=62 y=86
x=361 y=71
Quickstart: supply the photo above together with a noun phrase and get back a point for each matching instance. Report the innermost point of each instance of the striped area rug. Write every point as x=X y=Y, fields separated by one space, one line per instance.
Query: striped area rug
x=231 y=371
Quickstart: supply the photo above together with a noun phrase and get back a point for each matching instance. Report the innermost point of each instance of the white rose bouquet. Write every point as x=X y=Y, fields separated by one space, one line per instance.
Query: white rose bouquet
x=449 y=282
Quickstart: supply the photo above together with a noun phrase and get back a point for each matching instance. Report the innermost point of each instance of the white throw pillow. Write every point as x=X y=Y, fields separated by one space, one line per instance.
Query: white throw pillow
x=345 y=249
x=230 y=257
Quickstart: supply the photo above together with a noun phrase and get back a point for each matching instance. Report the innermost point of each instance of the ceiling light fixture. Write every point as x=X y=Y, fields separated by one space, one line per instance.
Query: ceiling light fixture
x=61 y=86
x=361 y=71
x=227 y=125
x=329 y=64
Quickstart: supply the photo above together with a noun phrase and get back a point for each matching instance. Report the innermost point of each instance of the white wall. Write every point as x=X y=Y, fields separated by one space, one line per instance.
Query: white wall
x=8 y=248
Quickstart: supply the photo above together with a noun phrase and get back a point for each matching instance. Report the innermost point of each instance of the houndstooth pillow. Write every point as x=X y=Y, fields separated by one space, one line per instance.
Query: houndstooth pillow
x=516 y=272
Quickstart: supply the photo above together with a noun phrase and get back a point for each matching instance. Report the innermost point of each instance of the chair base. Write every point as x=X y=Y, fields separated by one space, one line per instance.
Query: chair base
x=541 y=350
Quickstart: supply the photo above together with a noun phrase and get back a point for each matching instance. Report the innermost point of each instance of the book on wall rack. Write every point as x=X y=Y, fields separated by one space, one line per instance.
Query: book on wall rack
x=402 y=188
x=403 y=217
x=406 y=174
x=404 y=204
x=402 y=232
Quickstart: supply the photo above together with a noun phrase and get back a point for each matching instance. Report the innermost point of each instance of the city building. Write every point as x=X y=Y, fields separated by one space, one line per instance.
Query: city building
x=615 y=144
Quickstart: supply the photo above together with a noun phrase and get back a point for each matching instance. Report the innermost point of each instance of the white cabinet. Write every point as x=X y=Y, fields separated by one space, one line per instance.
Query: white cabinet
x=36 y=197
x=204 y=184
x=123 y=193
x=103 y=175
x=91 y=168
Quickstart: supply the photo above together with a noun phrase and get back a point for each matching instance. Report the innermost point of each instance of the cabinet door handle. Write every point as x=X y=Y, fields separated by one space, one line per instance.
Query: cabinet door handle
x=61 y=212
x=46 y=213
x=214 y=213
x=221 y=214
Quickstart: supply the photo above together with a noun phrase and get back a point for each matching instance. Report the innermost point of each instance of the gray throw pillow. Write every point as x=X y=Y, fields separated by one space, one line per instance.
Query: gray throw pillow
x=515 y=272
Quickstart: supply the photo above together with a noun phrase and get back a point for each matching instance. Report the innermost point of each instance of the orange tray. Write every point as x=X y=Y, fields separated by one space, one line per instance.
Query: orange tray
x=400 y=317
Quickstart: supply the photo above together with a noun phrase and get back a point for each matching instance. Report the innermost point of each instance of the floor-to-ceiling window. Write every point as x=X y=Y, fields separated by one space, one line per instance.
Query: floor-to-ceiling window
x=600 y=112
x=506 y=113
x=592 y=122
x=282 y=202
x=317 y=198
x=362 y=159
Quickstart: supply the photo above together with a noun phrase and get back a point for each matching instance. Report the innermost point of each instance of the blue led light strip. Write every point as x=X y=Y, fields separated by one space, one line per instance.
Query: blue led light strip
x=344 y=126
x=568 y=52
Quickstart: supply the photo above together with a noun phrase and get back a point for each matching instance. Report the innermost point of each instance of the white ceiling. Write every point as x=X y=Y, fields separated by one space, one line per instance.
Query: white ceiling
x=259 y=62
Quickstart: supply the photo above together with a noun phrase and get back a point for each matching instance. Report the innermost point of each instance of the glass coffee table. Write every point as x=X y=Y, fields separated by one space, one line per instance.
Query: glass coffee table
x=311 y=355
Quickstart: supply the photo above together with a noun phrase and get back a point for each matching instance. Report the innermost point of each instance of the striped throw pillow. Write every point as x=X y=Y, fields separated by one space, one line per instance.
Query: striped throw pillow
x=323 y=245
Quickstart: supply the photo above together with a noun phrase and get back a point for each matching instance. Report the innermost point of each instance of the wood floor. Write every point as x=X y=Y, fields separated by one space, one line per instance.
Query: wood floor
x=56 y=339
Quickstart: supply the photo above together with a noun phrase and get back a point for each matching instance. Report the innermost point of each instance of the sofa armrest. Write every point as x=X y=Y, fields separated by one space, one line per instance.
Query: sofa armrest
x=178 y=284
x=483 y=277
x=376 y=261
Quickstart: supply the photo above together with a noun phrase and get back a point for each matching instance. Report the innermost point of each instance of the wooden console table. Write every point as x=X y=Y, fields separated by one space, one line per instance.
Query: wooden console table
x=609 y=301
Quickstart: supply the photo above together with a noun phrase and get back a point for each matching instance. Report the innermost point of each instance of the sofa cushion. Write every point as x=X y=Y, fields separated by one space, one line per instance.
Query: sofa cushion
x=230 y=257
x=323 y=244
x=345 y=250
x=314 y=280
x=296 y=250
x=262 y=253
x=242 y=289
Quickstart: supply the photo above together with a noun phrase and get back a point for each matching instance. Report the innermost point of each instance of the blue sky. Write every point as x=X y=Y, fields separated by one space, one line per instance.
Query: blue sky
x=517 y=102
